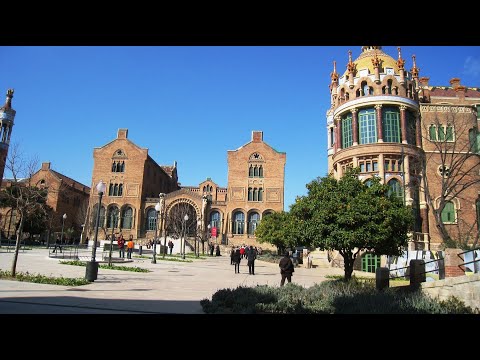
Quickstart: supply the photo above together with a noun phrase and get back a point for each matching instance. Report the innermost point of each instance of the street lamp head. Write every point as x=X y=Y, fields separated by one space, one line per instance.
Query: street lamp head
x=101 y=187
x=185 y=217
x=64 y=216
x=158 y=207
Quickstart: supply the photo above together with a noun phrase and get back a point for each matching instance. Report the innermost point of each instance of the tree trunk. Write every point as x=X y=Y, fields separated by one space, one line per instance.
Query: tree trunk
x=348 y=264
x=17 y=247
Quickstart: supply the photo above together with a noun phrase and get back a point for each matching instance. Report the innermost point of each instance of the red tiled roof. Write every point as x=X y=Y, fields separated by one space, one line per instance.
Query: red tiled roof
x=446 y=91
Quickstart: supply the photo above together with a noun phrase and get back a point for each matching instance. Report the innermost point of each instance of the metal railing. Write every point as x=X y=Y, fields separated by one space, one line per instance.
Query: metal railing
x=475 y=257
x=440 y=269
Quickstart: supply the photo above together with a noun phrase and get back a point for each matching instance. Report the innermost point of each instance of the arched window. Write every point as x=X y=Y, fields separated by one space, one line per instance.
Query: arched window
x=395 y=188
x=127 y=218
x=448 y=213
x=253 y=220
x=449 y=135
x=391 y=125
x=255 y=171
x=260 y=171
x=115 y=190
x=250 y=171
x=112 y=217
x=250 y=194
x=101 y=220
x=347 y=132
x=260 y=194
x=441 y=133
x=238 y=223
x=215 y=220
x=255 y=194
x=110 y=190
x=114 y=166
x=123 y=167
x=367 y=126
x=151 y=219
x=433 y=132
x=368 y=182
x=120 y=190
x=389 y=87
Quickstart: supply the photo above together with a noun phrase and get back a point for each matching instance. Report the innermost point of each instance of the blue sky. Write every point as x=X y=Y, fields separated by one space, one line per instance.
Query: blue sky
x=190 y=104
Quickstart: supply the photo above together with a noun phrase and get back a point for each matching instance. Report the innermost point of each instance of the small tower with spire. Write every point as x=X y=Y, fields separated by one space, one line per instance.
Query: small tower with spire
x=7 y=116
x=334 y=83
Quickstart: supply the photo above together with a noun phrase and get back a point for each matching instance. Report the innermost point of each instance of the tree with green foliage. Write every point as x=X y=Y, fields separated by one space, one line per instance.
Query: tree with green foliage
x=278 y=229
x=28 y=200
x=350 y=216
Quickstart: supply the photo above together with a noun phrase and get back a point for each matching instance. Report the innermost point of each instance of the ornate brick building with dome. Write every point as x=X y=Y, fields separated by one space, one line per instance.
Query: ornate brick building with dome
x=392 y=124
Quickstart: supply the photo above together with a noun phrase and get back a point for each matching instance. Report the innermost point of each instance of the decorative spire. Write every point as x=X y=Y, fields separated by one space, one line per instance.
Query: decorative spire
x=375 y=59
x=334 y=74
x=414 y=70
x=351 y=64
x=8 y=100
x=400 y=61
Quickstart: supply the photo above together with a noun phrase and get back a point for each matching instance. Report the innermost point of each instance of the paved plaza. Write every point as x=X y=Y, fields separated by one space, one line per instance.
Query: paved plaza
x=170 y=288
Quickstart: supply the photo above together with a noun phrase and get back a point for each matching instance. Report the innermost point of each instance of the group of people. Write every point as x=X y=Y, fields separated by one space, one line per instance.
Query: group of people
x=238 y=253
x=121 y=246
x=213 y=248
x=287 y=268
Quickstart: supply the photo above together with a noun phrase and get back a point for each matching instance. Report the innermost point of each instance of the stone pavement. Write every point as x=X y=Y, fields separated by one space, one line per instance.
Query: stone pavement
x=171 y=288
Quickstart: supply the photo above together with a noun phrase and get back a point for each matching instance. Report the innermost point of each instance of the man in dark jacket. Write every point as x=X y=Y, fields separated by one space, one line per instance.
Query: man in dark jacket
x=251 y=256
x=236 y=260
x=286 y=268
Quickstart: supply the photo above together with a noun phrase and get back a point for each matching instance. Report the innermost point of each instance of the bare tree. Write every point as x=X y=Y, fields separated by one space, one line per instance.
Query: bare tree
x=452 y=162
x=175 y=223
x=20 y=194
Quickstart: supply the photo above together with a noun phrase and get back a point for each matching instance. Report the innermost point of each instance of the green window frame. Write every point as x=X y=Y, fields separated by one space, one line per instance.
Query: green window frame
x=391 y=125
x=449 y=134
x=367 y=125
x=441 y=133
x=347 y=131
x=395 y=188
x=448 y=213
x=433 y=133
x=370 y=262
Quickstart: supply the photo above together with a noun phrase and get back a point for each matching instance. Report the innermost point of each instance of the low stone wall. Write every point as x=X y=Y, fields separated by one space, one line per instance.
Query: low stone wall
x=465 y=288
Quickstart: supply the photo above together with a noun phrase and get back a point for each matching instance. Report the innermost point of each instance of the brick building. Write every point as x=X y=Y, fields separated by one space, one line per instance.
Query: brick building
x=64 y=196
x=226 y=215
x=391 y=124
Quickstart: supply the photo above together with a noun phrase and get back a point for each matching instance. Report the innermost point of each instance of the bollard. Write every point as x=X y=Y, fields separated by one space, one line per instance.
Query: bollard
x=382 y=278
x=140 y=250
x=417 y=273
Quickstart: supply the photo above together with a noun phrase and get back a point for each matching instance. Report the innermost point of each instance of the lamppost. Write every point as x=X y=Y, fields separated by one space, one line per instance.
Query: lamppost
x=184 y=233
x=63 y=223
x=199 y=232
x=114 y=215
x=208 y=232
x=157 y=209
x=91 y=271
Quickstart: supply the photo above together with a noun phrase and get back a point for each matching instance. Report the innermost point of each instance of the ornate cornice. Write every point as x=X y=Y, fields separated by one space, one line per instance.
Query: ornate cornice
x=446 y=108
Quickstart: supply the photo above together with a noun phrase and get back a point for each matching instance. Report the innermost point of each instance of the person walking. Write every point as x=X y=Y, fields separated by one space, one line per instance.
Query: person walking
x=251 y=256
x=170 y=246
x=286 y=268
x=130 y=246
x=236 y=260
x=232 y=252
x=121 y=246
x=58 y=243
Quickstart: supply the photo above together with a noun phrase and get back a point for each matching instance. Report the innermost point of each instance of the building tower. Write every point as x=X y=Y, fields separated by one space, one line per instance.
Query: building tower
x=374 y=124
x=7 y=115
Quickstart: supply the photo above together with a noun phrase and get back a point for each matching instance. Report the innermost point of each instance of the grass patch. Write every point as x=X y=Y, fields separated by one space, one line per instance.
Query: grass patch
x=42 y=279
x=106 y=266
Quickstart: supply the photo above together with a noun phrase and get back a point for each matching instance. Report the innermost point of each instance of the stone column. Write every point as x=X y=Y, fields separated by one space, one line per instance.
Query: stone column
x=452 y=263
x=338 y=140
x=418 y=128
x=381 y=167
x=355 y=126
x=406 y=174
x=403 y=123
x=378 y=108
